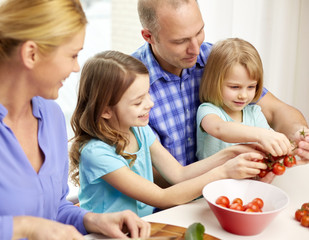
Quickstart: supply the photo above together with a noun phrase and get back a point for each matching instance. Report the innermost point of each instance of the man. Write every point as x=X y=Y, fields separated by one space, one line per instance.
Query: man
x=175 y=54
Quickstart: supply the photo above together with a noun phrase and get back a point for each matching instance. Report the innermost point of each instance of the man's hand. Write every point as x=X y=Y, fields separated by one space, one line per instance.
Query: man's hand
x=302 y=143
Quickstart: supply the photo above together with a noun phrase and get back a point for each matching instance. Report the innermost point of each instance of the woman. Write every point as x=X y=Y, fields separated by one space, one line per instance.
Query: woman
x=39 y=44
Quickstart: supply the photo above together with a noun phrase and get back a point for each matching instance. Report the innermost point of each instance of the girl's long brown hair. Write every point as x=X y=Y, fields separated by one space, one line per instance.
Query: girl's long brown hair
x=104 y=79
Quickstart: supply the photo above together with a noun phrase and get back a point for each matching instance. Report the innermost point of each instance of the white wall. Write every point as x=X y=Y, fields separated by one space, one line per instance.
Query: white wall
x=279 y=29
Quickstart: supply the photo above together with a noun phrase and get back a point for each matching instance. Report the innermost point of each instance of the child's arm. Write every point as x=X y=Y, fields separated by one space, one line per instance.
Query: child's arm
x=272 y=142
x=188 y=181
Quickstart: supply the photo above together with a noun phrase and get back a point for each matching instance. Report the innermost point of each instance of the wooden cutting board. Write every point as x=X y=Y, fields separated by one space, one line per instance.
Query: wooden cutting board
x=166 y=230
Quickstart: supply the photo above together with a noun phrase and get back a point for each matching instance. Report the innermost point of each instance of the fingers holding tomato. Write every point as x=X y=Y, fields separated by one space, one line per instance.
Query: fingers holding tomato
x=277 y=164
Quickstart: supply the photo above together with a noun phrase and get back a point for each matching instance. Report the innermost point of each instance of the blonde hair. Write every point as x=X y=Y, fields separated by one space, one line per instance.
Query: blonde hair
x=224 y=55
x=104 y=79
x=48 y=23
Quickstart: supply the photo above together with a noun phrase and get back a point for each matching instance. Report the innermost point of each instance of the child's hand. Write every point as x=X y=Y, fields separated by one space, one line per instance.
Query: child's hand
x=275 y=143
x=244 y=166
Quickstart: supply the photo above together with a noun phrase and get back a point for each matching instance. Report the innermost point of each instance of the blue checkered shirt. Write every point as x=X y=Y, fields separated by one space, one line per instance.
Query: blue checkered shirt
x=176 y=99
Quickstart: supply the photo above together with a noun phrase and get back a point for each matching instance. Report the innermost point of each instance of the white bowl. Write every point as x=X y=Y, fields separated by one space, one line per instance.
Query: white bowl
x=239 y=222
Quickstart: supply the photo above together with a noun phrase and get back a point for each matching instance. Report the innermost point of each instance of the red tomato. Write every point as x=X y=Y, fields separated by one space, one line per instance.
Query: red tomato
x=259 y=202
x=305 y=221
x=249 y=210
x=222 y=205
x=263 y=173
x=289 y=161
x=238 y=200
x=278 y=168
x=305 y=206
x=253 y=206
x=237 y=206
x=300 y=213
x=223 y=200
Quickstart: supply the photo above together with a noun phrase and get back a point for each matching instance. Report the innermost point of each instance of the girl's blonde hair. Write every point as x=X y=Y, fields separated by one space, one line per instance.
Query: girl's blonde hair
x=104 y=79
x=224 y=55
x=48 y=23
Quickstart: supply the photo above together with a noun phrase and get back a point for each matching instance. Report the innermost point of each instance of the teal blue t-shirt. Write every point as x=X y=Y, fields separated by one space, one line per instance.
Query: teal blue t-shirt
x=97 y=159
x=208 y=145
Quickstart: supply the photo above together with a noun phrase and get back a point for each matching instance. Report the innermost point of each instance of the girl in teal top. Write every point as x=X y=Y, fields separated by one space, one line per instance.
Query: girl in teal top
x=114 y=150
x=233 y=78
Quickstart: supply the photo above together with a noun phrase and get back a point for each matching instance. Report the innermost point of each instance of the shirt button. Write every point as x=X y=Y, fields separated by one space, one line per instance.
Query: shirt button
x=189 y=139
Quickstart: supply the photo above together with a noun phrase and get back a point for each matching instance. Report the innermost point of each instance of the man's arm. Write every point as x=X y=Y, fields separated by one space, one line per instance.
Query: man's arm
x=281 y=116
x=286 y=119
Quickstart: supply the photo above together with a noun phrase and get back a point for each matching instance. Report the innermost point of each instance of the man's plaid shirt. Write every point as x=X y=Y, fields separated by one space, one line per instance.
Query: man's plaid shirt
x=176 y=99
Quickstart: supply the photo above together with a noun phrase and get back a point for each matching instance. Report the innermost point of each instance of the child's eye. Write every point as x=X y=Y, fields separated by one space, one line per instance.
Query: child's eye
x=137 y=104
x=234 y=87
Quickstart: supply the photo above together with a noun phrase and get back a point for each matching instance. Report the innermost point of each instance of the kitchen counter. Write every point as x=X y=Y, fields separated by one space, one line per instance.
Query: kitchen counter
x=283 y=227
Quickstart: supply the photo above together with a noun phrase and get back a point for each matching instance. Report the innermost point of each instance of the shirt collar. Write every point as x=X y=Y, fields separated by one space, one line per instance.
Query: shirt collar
x=36 y=109
x=3 y=112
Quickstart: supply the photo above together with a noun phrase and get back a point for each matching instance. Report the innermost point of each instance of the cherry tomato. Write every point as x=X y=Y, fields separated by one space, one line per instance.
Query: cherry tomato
x=305 y=221
x=249 y=210
x=223 y=200
x=259 y=202
x=300 y=213
x=289 y=161
x=263 y=173
x=238 y=200
x=278 y=168
x=305 y=206
x=253 y=206
x=237 y=206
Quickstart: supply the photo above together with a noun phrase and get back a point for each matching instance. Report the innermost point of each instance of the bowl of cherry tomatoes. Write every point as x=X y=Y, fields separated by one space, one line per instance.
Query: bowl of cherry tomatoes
x=244 y=207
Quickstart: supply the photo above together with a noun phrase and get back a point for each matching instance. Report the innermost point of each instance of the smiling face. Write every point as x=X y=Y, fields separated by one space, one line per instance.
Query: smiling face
x=238 y=89
x=51 y=70
x=177 y=43
x=134 y=105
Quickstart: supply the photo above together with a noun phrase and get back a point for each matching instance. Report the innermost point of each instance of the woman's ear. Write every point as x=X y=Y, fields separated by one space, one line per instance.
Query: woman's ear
x=29 y=53
x=107 y=113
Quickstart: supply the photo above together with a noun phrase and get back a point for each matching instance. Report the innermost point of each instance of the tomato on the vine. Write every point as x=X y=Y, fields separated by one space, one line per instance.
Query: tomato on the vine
x=289 y=161
x=278 y=168
x=263 y=173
